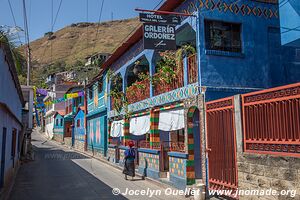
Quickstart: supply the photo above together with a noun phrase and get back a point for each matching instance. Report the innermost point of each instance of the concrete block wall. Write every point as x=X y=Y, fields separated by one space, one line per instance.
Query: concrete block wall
x=262 y=171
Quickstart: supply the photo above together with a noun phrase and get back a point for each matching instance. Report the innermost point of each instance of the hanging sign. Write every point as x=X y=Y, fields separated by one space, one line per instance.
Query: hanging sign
x=159 y=36
x=161 y=19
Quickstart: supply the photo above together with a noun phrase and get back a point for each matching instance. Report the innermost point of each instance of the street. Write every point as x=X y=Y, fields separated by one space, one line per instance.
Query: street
x=60 y=173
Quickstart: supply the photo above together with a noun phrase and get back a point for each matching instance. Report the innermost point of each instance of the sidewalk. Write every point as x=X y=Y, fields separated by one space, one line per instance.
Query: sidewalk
x=112 y=176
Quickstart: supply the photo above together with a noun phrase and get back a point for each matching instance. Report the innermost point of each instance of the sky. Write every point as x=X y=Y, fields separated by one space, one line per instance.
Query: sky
x=39 y=13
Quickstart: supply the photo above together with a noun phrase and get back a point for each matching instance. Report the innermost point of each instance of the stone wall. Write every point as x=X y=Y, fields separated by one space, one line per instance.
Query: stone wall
x=79 y=145
x=97 y=153
x=58 y=137
x=263 y=172
x=112 y=156
x=68 y=141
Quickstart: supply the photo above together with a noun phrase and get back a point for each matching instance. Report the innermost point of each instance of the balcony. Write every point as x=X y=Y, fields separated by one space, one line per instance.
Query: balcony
x=192 y=69
x=161 y=86
x=138 y=91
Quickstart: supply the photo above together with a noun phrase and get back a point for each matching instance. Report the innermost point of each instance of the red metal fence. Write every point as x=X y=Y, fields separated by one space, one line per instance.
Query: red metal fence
x=221 y=144
x=271 y=120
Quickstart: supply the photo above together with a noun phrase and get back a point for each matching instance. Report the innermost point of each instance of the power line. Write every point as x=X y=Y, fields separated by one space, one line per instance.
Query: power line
x=27 y=41
x=60 y=3
x=14 y=19
x=99 y=21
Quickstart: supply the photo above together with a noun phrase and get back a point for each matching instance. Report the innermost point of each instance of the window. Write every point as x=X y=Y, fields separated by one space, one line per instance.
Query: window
x=56 y=122
x=100 y=85
x=223 y=36
x=13 y=143
x=90 y=93
x=61 y=122
x=78 y=122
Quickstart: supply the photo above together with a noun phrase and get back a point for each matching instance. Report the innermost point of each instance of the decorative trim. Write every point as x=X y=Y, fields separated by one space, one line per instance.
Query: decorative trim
x=178 y=155
x=150 y=151
x=224 y=53
x=236 y=8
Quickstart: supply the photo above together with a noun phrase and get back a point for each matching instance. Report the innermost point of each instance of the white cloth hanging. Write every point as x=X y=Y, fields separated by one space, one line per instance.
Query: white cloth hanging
x=171 y=120
x=117 y=128
x=139 y=125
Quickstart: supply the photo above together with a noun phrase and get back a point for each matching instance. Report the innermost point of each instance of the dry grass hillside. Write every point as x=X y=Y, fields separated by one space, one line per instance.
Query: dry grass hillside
x=77 y=41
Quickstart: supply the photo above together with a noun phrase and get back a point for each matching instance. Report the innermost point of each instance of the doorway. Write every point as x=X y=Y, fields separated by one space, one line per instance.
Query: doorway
x=3 y=147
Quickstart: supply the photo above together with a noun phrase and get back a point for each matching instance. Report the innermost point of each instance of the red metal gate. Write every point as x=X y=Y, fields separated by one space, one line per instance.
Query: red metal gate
x=221 y=144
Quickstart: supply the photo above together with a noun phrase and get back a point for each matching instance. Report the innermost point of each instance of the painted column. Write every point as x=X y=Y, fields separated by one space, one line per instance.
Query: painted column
x=150 y=57
x=154 y=132
x=190 y=163
x=108 y=131
x=126 y=136
x=185 y=71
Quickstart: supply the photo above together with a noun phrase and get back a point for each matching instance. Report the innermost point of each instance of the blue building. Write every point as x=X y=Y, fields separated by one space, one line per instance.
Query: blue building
x=11 y=121
x=79 y=134
x=289 y=12
x=58 y=127
x=97 y=115
x=72 y=106
x=227 y=47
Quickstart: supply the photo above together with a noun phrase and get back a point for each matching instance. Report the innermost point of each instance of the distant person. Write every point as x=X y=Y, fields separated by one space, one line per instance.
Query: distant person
x=129 y=168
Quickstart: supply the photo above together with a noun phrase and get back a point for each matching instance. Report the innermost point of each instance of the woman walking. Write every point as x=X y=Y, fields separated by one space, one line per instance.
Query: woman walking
x=129 y=168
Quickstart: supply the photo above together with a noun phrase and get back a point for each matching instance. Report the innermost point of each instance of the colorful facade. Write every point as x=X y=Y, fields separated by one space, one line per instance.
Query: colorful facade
x=79 y=134
x=97 y=116
x=231 y=56
x=58 y=127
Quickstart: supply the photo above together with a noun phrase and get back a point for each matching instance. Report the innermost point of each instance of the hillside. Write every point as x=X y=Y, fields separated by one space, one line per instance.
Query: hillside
x=77 y=41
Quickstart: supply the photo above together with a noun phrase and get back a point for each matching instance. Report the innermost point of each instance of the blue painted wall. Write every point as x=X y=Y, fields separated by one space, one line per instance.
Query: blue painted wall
x=58 y=127
x=79 y=129
x=97 y=117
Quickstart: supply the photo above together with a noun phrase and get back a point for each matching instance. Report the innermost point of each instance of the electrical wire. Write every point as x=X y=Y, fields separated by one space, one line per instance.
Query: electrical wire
x=14 y=19
x=99 y=21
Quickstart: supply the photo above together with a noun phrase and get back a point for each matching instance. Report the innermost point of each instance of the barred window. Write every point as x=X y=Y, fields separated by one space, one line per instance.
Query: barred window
x=223 y=36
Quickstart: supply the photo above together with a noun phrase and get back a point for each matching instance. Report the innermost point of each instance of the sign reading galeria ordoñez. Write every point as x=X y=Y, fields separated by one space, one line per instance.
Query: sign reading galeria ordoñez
x=160 y=37
x=159 y=31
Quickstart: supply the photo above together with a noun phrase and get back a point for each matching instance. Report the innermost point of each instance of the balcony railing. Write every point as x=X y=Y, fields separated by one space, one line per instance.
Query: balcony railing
x=138 y=92
x=161 y=86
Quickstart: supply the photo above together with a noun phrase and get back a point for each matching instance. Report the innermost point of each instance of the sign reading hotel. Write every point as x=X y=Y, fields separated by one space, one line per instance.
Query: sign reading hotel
x=159 y=36
x=162 y=19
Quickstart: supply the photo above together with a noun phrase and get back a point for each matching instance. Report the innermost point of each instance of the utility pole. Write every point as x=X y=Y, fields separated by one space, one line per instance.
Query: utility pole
x=27 y=43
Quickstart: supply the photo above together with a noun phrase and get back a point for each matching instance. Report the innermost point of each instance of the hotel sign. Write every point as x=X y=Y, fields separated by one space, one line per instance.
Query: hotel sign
x=159 y=36
x=161 y=19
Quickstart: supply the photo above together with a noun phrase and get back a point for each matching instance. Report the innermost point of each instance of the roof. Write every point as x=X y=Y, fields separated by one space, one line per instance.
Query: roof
x=13 y=70
x=169 y=5
x=76 y=88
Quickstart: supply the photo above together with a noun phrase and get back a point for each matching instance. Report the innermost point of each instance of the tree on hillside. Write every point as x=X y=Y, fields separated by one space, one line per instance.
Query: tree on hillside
x=17 y=56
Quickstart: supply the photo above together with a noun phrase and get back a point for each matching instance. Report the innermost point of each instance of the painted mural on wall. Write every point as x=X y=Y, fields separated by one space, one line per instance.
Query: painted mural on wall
x=79 y=130
x=96 y=131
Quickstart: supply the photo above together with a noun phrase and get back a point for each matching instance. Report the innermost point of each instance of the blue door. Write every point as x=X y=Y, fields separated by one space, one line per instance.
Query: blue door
x=3 y=147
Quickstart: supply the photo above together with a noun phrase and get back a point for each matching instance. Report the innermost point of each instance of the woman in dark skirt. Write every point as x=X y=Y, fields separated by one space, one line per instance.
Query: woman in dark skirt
x=129 y=168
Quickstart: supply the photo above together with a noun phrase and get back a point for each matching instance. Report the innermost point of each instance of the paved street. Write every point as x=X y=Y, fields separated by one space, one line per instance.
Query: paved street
x=59 y=173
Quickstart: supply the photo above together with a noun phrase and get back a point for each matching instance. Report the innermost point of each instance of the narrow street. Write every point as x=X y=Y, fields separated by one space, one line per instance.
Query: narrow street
x=59 y=173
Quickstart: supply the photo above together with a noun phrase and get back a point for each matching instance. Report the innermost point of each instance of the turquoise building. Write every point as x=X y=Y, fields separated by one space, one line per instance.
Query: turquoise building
x=96 y=93
x=58 y=127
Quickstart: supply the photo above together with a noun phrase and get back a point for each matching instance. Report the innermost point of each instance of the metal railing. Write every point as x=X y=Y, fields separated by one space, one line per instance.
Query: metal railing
x=135 y=93
x=271 y=121
x=192 y=69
